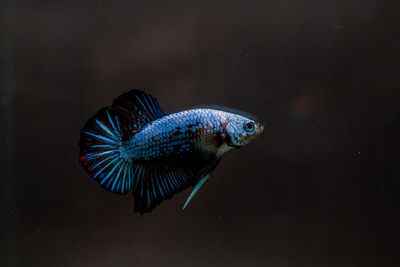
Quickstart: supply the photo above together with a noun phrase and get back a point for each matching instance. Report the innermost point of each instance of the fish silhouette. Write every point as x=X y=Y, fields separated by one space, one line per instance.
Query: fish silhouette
x=135 y=145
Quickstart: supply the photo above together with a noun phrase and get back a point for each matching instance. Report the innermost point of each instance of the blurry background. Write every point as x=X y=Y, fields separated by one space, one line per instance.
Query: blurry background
x=320 y=187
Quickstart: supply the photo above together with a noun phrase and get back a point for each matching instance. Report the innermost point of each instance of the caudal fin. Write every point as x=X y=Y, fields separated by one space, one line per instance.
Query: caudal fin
x=101 y=153
x=102 y=139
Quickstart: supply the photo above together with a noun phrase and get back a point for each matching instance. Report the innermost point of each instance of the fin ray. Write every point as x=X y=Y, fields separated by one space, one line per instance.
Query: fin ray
x=135 y=111
x=100 y=152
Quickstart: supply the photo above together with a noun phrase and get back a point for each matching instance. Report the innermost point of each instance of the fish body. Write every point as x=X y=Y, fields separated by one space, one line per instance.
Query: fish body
x=135 y=144
x=196 y=131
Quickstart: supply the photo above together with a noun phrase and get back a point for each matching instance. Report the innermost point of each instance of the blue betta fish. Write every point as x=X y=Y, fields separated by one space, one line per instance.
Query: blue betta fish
x=135 y=144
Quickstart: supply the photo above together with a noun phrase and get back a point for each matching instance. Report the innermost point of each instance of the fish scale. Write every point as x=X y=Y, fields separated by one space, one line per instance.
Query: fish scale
x=176 y=133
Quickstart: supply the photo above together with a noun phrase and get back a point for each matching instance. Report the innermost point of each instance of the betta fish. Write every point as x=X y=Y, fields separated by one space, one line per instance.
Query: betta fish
x=134 y=145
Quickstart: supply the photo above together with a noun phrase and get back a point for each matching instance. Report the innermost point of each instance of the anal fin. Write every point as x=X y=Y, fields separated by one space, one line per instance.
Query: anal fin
x=159 y=180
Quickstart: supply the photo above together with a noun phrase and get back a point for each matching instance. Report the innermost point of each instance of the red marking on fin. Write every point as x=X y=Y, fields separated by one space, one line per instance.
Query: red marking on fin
x=148 y=205
x=82 y=158
x=90 y=167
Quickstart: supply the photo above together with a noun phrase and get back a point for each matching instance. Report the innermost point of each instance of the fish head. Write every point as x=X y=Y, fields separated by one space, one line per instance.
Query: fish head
x=241 y=130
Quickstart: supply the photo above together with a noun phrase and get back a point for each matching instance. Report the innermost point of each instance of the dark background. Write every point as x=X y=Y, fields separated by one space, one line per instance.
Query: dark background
x=320 y=187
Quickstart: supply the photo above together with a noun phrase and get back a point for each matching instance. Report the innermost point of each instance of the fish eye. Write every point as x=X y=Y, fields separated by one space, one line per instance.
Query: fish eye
x=248 y=126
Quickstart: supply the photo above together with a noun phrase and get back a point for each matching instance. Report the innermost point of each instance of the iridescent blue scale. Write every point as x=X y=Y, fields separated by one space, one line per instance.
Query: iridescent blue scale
x=174 y=133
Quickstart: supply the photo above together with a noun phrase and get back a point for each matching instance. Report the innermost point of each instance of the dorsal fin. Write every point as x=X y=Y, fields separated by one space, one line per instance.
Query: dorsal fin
x=135 y=109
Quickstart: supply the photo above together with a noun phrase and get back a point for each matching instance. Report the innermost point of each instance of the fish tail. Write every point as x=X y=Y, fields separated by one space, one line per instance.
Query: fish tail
x=101 y=154
x=102 y=140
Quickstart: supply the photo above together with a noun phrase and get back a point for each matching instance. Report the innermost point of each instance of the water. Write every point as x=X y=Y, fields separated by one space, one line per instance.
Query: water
x=319 y=187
